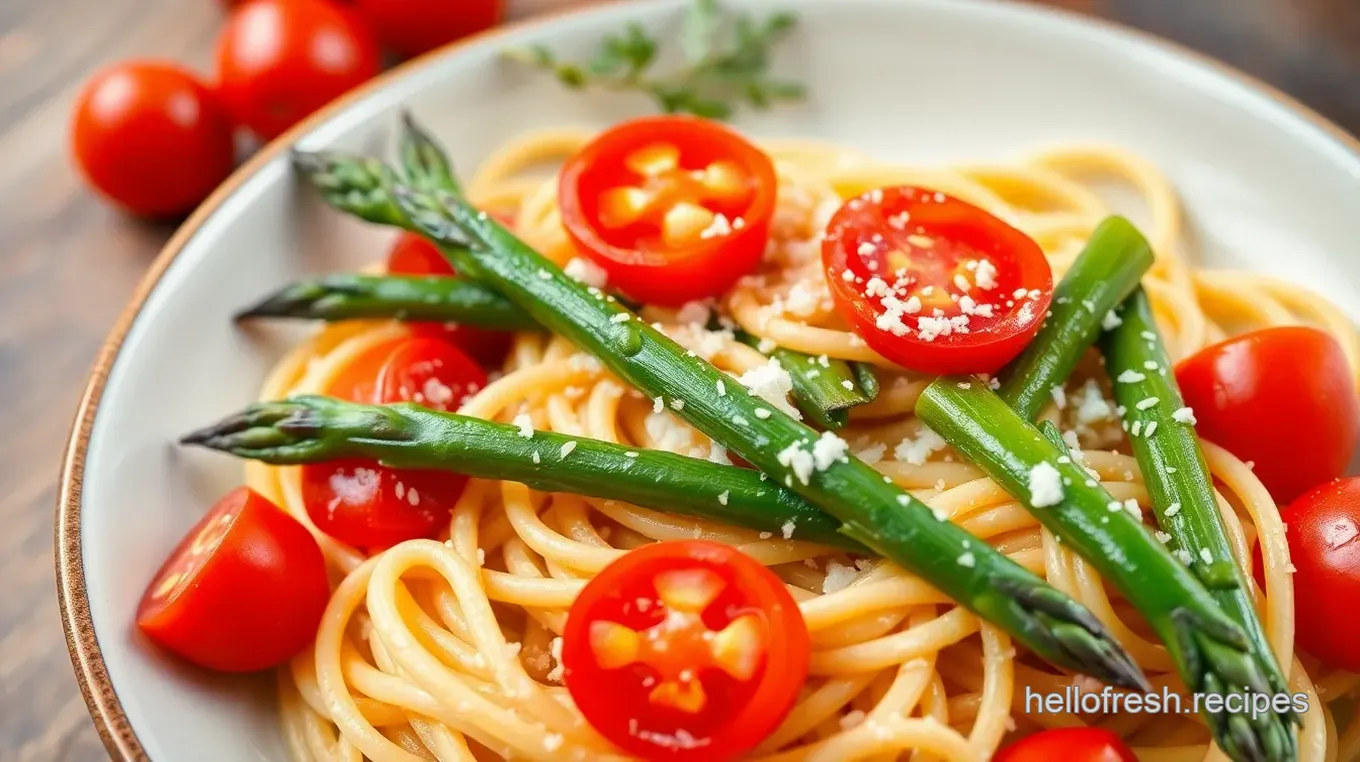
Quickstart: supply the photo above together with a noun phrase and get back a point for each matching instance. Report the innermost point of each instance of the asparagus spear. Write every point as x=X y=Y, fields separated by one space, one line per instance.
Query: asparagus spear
x=1211 y=652
x=1106 y=271
x=314 y=429
x=872 y=509
x=1162 y=436
x=347 y=296
x=824 y=389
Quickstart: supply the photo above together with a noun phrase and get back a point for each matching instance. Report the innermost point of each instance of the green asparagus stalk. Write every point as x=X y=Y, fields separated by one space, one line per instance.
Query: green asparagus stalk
x=314 y=429
x=824 y=389
x=872 y=509
x=1162 y=436
x=1212 y=653
x=347 y=296
x=1106 y=271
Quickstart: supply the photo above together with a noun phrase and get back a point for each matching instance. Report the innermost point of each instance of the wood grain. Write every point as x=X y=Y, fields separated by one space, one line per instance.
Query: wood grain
x=67 y=263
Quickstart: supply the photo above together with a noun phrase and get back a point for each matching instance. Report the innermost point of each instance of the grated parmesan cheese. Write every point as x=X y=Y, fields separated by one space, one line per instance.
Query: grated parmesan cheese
x=525 y=424
x=587 y=272
x=1045 y=486
x=915 y=450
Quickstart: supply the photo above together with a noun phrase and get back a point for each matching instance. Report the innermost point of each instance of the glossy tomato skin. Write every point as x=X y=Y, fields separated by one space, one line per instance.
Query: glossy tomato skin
x=412 y=254
x=151 y=137
x=910 y=248
x=412 y=27
x=737 y=714
x=280 y=60
x=1068 y=745
x=1283 y=399
x=367 y=505
x=1324 y=547
x=639 y=259
x=252 y=593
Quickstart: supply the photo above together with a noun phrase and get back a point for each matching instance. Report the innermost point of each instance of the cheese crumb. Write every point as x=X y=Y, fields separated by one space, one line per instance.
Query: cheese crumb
x=771 y=383
x=1111 y=321
x=1149 y=402
x=967 y=560
x=622 y=317
x=829 y=449
x=1059 y=396
x=567 y=448
x=722 y=498
x=1184 y=415
x=1206 y=556
x=838 y=577
x=525 y=424
x=586 y=272
x=985 y=275
x=798 y=460
x=1173 y=509
x=915 y=450
x=1045 y=486
x=873 y=453
x=1130 y=377
x=787 y=529
x=722 y=388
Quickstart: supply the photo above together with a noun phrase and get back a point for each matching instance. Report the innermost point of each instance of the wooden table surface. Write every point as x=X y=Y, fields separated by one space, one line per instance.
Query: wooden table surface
x=67 y=263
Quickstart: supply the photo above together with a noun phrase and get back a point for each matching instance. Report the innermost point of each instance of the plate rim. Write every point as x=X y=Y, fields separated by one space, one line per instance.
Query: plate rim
x=101 y=699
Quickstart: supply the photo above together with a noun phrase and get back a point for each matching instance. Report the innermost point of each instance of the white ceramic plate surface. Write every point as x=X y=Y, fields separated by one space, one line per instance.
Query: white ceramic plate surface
x=1266 y=186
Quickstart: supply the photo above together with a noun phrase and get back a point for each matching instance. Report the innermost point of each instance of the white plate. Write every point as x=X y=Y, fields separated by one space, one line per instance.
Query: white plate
x=1267 y=185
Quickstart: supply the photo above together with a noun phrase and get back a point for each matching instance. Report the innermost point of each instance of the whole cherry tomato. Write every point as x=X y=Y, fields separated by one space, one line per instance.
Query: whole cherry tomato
x=1283 y=399
x=1068 y=745
x=686 y=650
x=412 y=27
x=934 y=283
x=151 y=137
x=243 y=591
x=280 y=60
x=1324 y=547
x=673 y=208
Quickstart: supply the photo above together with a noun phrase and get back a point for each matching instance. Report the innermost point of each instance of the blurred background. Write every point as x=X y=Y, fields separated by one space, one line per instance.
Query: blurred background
x=70 y=258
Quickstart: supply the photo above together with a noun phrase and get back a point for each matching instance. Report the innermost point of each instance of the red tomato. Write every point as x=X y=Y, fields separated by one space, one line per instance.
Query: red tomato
x=1324 y=546
x=243 y=591
x=363 y=503
x=280 y=60
x=412 y=254
x=151 y=137
x=1068 y=745
x=673 y=208
x=933 y=283
x=1282 y=398
x=685 y=650
x=412 y=27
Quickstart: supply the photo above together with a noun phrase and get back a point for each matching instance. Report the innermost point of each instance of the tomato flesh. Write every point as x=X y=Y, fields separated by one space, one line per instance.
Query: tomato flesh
x=1324 y=547
x=243 y=591
x=1283 y=399
x=412 y=254
x=673 y=208
x=1068 y=745
x=366 y=504
x=934 y=283
x=685 y=650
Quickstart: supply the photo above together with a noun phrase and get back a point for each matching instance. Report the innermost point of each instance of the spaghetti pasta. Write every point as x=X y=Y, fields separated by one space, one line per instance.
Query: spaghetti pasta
x=450 y=650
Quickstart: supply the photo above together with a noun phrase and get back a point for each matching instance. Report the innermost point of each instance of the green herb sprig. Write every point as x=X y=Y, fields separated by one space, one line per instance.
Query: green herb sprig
x=727 y=59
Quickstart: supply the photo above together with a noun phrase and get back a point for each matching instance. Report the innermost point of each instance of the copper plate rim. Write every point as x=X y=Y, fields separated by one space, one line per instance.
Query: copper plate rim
x=91 y=673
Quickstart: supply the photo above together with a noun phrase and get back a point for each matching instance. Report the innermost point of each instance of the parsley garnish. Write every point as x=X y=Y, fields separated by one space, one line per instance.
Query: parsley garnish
x=726 y=62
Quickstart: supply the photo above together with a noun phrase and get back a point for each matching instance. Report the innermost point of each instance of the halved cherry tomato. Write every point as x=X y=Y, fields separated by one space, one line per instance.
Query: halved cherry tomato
x=1283 y=399
x=363 y=503
x=674 y=208
x=151 y=137
x=412 y=254
x=243 y=591
x=280 y=60
x=685 y=650
x=1324 y=547
x=1068 y=745
x=412 y=27
x=933 y=283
